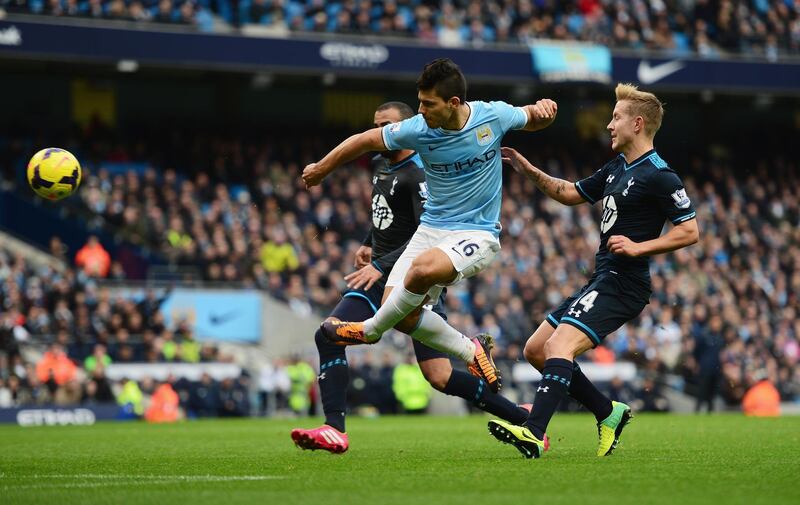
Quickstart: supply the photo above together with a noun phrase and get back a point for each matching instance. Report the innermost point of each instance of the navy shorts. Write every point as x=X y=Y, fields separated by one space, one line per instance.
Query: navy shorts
x=374 y=295
x=603 y=305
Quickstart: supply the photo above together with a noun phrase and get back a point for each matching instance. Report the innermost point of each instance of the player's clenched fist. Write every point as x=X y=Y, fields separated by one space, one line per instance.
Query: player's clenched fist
x=618 y=244
x=545 y=109
x=312 y=175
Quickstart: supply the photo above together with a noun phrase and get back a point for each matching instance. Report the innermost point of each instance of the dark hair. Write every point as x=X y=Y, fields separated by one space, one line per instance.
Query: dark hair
x=401 y=107
x=445 y=78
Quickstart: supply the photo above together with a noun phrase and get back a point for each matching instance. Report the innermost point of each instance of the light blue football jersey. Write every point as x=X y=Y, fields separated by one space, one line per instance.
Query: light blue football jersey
x=463 y=169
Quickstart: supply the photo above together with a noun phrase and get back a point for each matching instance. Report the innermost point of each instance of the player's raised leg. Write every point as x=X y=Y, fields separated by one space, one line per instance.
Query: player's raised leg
x=444 y=265
x=420 y=273
x=416 y=264
x=428 y=269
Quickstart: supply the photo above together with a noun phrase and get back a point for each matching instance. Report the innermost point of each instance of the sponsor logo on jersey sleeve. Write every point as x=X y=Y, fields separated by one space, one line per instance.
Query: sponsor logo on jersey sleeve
x=681 y=199
x=423 y=190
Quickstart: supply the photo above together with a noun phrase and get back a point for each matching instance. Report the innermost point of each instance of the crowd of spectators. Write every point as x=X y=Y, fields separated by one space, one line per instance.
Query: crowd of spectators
x=84 y=329
x=187 y=12
x=705 y=27
x=68 y=308
x=723 y=312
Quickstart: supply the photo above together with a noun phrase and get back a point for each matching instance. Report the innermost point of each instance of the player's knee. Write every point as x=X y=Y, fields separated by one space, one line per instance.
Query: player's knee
x=422 y=273
x=437 y=375
x=534 y=353
x=418 y=275
x=556 y=346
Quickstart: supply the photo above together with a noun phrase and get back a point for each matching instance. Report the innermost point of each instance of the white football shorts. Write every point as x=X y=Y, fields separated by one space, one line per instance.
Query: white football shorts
x=470 y=251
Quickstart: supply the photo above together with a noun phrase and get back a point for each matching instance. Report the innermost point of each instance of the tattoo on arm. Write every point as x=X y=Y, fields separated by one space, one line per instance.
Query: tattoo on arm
x=551 y=186
x=547 y=183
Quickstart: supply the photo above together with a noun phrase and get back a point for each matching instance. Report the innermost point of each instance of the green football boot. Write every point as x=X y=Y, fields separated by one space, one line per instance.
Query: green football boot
x=610 y=428
x=518 y=436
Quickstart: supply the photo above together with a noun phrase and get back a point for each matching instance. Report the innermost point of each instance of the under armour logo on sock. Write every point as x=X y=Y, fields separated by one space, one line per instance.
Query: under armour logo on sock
x=321 y=376
x=543 y=389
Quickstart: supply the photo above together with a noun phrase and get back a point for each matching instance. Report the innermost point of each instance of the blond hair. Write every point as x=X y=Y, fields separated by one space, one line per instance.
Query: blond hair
x=642 y=103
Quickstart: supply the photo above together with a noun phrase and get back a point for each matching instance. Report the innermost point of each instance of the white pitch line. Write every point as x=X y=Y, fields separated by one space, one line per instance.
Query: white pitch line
x=146 y=477
x=126 y=480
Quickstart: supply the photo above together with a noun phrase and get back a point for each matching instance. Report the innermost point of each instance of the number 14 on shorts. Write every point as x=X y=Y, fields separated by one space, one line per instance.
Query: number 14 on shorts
x=586 y=301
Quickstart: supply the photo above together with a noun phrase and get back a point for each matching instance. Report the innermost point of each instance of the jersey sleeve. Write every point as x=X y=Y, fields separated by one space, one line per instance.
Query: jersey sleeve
x=668 y=190
x=405 y=134
x=511 y=118
x=592 y=187
x=387 y=261
x=368 y=238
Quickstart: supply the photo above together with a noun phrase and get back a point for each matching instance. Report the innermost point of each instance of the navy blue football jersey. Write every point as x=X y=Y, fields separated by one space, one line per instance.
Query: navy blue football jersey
x=398 y=199
x=638 y=197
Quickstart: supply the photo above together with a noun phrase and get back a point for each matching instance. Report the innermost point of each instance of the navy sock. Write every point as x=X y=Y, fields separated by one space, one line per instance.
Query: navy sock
x=333 y=379
x=333 y=373
x=476 y=391
x=582 y=389
x=556 y=378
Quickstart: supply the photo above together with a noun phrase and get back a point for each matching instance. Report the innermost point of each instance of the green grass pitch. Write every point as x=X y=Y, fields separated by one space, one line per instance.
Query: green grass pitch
x=669 y=459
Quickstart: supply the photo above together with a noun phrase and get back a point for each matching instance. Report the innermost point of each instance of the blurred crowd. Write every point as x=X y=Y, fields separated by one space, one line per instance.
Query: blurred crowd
x=723 y=312
x=83 y=329
x=705 y=27
x=60 y=332
x=186 y=12
x=723 y=315
x=66 y=307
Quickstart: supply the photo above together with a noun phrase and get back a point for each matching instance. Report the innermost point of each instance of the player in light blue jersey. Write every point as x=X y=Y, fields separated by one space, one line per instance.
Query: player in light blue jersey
x=458 y=236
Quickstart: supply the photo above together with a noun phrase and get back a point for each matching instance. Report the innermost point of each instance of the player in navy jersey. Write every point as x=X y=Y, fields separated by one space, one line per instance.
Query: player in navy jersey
x=398 y=195
x=639 y=192
x=458 y=236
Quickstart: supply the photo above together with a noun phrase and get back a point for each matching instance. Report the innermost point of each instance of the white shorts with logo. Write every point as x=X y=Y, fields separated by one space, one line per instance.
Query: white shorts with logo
x=470 y=251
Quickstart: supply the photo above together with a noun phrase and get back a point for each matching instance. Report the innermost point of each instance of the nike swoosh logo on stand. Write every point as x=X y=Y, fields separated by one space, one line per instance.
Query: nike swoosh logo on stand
x=217 y=319
x=648 y=74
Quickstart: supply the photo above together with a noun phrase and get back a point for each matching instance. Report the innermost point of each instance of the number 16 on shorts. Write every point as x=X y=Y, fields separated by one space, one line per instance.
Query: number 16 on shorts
x=467 y=247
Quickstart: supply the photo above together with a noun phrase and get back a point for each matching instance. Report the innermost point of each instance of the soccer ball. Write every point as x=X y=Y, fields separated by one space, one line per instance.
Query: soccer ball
x=54 y=173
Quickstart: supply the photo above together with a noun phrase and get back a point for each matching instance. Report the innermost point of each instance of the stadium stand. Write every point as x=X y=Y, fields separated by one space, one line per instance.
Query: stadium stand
x=84 y=330
x=722 y=313
x=708 y=28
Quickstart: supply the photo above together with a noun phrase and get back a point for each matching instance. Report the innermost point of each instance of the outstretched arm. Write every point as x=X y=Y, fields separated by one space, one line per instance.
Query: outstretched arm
x=681 y=235
x=557 y=189
x=350 y=149
x=540 y=114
